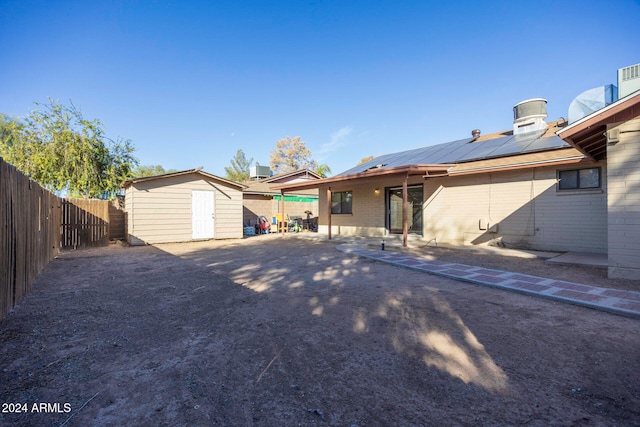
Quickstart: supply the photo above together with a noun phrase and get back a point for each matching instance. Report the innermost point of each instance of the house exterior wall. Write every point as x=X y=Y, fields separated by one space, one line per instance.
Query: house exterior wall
x=368 y=217
x=522 y=208
x=623 y=201
x=159 y=211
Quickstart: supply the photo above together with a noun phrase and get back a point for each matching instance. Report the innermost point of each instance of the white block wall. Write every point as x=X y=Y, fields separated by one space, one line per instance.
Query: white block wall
x=623 y=201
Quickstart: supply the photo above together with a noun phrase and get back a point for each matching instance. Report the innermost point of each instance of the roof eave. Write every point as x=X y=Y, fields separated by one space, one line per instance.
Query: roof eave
x=523 y=165
x=588 y=134
x=179 y=173
x=440 y=169
x=289 y=174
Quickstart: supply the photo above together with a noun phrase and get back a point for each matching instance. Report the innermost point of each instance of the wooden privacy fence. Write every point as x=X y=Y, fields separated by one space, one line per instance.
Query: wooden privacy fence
x=30 y=219
x=35 y=224
x=84 y=223
x=117 y=220
x=91 y=222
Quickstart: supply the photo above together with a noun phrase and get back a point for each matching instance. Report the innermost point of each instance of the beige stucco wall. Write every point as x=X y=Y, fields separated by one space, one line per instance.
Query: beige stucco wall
x=623 y=201
x=521 y=208
x=159 y=211
x=368 y=217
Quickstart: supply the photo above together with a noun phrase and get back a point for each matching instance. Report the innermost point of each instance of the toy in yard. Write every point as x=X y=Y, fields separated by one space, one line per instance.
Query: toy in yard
x=295 y=224
x=309 y=225
x=263 y=226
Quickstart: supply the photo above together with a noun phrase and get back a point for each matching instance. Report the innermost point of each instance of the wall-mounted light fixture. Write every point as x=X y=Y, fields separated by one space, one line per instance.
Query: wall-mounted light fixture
x=376 y=191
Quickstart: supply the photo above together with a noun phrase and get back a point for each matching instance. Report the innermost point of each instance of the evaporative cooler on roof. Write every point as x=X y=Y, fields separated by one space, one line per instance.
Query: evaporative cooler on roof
x=628 y=80
x=529 y=115
x=259 y=172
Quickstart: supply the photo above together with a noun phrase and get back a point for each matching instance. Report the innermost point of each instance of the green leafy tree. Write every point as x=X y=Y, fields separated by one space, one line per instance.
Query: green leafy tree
x=10 y=135
x=239 y=169
x=323 y=170
x=65 y=152
x=150 y=170
x=290 y=155
x=366 y=159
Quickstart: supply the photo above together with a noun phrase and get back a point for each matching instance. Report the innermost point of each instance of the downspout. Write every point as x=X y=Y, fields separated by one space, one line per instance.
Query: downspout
x=405 y=208
x=329 y=211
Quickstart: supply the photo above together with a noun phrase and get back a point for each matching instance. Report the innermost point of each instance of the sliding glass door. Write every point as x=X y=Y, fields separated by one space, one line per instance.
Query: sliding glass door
x=414 y=211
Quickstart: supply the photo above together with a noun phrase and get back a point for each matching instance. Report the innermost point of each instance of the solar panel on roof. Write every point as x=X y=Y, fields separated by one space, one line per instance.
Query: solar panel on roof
x=547 y=144
x=425 y=155
x=464 y=150
x=407 y=157
x=445 y=152
x=484 y=149
x=516 y=145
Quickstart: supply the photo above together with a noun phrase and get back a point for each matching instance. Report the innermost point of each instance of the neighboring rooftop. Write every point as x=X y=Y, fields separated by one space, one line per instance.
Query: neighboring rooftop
x=265 y=186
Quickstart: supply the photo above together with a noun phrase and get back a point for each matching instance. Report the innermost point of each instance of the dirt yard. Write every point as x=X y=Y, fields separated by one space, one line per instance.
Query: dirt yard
x=283 y=331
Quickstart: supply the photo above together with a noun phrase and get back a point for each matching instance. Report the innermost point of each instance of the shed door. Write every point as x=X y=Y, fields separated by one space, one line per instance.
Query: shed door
x=203 y=214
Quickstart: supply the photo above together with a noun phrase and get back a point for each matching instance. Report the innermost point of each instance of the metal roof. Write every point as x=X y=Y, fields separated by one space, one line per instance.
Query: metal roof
x=463 y=150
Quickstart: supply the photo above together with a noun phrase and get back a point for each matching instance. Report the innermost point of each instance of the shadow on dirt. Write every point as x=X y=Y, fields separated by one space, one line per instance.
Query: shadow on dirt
x=281 y=331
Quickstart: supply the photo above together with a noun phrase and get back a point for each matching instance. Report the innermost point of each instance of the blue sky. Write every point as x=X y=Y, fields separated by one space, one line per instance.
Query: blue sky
x=192 y=82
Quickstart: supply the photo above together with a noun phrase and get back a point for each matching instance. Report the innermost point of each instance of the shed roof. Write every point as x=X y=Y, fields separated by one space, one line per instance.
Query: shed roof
x=198 y=171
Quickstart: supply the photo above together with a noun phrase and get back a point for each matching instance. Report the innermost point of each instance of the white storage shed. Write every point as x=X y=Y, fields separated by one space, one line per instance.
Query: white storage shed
x=182 y=206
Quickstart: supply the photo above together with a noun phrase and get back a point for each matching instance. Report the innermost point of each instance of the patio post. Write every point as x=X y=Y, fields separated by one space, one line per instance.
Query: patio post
x=282 y=212
x=329 y=211
x=405 y=208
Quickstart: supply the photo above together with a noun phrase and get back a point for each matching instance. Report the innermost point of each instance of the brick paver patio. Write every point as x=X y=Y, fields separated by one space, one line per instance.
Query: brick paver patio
x=613 y=300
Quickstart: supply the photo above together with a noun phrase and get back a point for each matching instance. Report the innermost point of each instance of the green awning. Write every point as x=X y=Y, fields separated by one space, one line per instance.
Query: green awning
x=296 y=198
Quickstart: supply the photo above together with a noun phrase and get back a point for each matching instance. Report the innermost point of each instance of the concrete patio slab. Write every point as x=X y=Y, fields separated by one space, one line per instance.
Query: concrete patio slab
x=581 y=258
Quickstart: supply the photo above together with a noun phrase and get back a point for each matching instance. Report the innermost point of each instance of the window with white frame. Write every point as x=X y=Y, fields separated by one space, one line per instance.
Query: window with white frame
x=579 y=179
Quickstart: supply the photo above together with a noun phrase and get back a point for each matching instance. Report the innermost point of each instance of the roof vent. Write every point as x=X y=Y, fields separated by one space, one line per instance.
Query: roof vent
x=475 y=133
x=529 y=115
